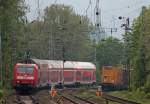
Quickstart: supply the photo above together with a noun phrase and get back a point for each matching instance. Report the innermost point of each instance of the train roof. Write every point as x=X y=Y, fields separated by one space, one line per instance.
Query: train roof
x=25 y=64
x=67 y=64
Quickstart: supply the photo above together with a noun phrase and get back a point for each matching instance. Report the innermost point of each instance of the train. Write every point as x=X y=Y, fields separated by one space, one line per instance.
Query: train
x=114 y=78
x=38 y=73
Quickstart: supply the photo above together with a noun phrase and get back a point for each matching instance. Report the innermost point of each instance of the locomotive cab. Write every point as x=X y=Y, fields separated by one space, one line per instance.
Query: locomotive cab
x=25 y=75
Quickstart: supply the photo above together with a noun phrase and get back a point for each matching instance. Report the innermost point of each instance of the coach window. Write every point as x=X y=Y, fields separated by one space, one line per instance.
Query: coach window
x=86 y=78
x=21 y=70
x=68 y=79
x=29 y=70
x=25 y=69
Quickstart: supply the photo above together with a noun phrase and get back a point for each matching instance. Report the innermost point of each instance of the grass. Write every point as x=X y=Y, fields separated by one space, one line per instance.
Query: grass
x=1 y=94
x=137 y=96
x=90 y=95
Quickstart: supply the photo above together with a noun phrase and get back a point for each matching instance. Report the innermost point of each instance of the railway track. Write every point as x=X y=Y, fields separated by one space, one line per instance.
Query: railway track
x=64 y=96
x=26 y=99
x=108 y=98
x=71 y=99
x=117 y=99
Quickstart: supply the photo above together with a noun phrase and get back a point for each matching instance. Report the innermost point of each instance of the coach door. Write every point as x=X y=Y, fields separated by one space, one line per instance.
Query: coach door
x=43 y=74
x=78 y=76
x=54 y=76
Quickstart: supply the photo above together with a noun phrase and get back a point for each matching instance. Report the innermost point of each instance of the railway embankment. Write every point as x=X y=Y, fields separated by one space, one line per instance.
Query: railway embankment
x=137 y=96
x=73 y=96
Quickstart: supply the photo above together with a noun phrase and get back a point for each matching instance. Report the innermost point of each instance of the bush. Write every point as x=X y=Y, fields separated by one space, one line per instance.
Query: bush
x=147 y=85
x=1 y=94
x=139 y=93
x=147 y=96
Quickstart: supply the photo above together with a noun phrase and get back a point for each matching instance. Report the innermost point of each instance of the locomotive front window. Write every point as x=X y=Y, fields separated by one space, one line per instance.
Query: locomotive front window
x=25 y=69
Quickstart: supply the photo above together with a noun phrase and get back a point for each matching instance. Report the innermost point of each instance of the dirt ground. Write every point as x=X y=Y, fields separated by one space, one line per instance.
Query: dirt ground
x=42 y=96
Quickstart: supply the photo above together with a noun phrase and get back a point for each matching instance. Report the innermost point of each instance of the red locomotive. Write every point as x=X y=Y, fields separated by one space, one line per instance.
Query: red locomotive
x=25 y=74
x=48 y=72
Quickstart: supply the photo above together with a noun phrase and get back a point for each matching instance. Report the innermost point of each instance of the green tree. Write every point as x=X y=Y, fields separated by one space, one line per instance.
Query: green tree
x=61 y=31
x=11 y=20
x=139 y=49
x=110 y=52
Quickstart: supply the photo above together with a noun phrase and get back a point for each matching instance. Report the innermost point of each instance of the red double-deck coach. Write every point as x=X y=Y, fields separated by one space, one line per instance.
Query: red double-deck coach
x=48 y=72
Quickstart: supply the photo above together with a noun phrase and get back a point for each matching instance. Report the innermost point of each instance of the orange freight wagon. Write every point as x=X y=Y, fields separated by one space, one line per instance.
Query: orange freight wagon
x=114 y=78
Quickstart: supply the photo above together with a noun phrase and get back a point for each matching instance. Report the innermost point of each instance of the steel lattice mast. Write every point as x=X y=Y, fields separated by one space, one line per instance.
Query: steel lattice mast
x=99 y=30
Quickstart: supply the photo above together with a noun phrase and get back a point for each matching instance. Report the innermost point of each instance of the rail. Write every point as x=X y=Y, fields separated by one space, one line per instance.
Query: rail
x=88 y=101
x=26 y=100
x=74 y=99
x=71 y=100
x=117 y=99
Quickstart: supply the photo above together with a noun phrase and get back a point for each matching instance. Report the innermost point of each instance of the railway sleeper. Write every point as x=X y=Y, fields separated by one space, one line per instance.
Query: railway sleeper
x=70 y=99
x=60 y=100
x=79 y=101
x=34 y=100
x=19 y=101
x=83 y=99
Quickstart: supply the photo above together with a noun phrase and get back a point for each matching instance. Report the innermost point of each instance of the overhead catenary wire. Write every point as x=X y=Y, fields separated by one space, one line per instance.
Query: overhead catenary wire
x=1 y=62
x=127 y=6
x=90 y=3
x=55 y=1
x=129 y=13
x=41 y=26
x=38 y=25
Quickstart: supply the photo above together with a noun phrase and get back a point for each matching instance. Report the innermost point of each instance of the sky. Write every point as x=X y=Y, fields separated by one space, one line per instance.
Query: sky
x=110 y=10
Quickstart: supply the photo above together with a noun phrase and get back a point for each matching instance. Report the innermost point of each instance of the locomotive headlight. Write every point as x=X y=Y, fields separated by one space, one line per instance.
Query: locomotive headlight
x=25 y=77
x=18 y=81
x=20 y=77
x=31 y=78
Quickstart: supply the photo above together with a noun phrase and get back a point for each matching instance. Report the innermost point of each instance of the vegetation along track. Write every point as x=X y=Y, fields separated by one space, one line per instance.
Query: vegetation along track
x=117 y=99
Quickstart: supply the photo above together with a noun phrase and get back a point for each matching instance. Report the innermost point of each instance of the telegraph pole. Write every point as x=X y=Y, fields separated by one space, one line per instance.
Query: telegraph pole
x=127 y=28
x=98 y=19
x=38 y=6
x=95 y=56
x=1 y=63
x=88 y=8
x=63 y=64
x=38 y=25
x=99 y=30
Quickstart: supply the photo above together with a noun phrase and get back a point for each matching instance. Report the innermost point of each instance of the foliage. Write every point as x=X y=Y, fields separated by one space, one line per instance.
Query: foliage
x=1 y=94
x=147 y=85
x=12 y=20
x=98 y=73
x=60 y=34
x=137 y=95
x=138 y=47
x=110 y=52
